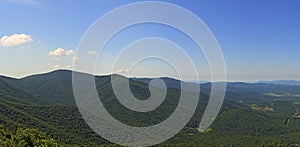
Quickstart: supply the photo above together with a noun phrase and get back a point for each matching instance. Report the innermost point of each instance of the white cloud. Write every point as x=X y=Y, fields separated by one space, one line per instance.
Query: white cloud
x=59 y=52
x=69 y=52
x=15 y=39
x=56 y=66
x=74 y=59
x=298 y=74
x=92 y=53
x=121 y=71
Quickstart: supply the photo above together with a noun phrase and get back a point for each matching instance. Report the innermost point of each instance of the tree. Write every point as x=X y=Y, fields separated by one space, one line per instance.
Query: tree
x=25 y=137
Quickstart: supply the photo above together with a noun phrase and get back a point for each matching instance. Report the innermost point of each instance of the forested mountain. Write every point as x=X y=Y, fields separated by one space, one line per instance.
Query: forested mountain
x=253 y=114
x=56 y=86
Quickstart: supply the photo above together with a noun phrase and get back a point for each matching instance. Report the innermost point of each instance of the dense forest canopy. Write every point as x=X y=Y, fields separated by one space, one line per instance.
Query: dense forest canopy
x=40 y=110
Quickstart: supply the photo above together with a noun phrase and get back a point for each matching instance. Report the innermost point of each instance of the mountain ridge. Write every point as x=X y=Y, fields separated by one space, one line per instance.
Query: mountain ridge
x=250 y=113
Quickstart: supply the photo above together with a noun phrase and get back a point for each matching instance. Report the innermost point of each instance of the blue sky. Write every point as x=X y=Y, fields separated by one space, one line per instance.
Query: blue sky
x=259 y=39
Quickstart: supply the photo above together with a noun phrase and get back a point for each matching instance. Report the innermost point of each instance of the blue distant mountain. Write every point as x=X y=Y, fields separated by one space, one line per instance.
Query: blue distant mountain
x=282 y=82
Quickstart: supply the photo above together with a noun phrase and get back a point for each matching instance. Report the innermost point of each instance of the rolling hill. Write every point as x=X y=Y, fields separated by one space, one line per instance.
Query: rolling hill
x=254 y=114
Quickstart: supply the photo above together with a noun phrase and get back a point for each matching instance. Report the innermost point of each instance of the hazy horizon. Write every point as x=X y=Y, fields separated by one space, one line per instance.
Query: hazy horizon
x=186 y=80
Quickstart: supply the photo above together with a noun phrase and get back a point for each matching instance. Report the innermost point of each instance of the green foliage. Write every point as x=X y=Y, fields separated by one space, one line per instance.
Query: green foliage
x=25 y=137
x=46 y=102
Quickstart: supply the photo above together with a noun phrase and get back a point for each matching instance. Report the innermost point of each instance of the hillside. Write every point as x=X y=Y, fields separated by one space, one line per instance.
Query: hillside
x=56 y=85
x=253 y=114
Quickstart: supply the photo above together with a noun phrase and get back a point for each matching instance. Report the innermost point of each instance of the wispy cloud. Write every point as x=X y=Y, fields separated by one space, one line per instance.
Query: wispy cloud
x=92 y=53
x=121 y=71
x=298 y=74
x=29 y=2
x=74 y=60
x=31 y=45
x=56 y=66
x=60 y=52
x=15 y=40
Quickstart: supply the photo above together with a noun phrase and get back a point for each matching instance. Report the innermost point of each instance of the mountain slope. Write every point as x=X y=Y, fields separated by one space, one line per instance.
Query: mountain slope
x=46 y=102
x=56 y=86
x=10 y=92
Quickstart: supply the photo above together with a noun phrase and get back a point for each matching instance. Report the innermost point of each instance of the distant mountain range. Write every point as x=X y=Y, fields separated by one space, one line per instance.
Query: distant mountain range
x=283 y=82
x=253 y=114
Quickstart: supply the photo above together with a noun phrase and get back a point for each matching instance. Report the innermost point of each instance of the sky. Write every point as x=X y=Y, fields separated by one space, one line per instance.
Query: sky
x=259 y=39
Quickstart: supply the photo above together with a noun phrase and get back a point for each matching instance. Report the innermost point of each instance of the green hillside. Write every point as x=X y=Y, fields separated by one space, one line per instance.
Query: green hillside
x=250 y=114
x=56 y=86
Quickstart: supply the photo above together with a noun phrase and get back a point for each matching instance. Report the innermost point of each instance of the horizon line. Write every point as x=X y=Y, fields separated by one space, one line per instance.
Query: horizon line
x=150 y=77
